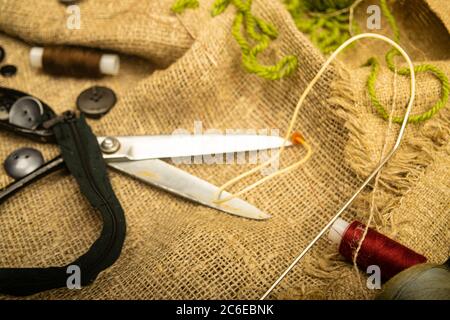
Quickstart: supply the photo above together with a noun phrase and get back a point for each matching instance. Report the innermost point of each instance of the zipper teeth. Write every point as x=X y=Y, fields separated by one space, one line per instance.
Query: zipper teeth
x=78 y=144
x=93 y=185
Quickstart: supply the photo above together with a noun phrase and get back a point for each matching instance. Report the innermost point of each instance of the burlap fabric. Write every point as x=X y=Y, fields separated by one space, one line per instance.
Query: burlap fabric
x=178 y=69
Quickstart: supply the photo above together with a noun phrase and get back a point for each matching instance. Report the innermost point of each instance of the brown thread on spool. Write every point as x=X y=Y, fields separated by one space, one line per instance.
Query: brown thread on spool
x=71 y=61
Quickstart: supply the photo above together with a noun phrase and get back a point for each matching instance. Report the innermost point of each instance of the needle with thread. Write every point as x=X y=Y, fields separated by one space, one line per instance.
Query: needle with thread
x=382 y=162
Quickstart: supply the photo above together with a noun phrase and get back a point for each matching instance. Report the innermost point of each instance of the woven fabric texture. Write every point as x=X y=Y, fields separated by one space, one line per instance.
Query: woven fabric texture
x=181 y=68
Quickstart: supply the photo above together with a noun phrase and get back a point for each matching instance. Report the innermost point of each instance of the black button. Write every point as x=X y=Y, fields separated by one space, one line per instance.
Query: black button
x=26 y=112
x=23 y=162
x=8 y=70
x=2 y=54
x=96 y=101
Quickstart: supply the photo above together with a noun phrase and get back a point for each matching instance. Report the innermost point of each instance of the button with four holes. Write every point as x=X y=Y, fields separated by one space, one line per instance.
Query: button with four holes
x=26 y=113
x=96 y=101
x=22 y=162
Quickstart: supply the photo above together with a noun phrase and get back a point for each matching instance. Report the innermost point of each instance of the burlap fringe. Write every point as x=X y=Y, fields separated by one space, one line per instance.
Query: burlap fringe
x=416 y=153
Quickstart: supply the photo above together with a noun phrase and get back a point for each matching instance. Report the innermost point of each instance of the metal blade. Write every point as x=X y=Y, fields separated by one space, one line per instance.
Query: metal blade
x=163 y=175
x=173 y=146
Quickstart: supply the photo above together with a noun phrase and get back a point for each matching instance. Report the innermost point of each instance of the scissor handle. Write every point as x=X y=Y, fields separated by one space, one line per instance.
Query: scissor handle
x=47 y=168
x=7 y=98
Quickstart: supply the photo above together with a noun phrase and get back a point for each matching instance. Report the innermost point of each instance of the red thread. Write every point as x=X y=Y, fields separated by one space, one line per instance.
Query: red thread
x=377 y=249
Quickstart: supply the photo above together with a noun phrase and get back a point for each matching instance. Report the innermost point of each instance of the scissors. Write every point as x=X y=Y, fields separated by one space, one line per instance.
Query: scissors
x=136 y=156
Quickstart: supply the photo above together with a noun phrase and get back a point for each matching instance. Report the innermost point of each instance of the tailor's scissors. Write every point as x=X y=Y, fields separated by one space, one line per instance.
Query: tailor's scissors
x=137 y=156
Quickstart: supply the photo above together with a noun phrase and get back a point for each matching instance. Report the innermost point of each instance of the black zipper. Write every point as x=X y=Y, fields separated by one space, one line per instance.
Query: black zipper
x=69 y=117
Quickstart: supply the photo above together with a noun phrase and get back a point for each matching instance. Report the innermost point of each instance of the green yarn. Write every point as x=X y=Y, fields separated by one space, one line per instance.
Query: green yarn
x=180 y=5
x=219 y=7
x=323 y=20
x=326 y=22
x=325 y=5
x=390 y=56
x=253 y=35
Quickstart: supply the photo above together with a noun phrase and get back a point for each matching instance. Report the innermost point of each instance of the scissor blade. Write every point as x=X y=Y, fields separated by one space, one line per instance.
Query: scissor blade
x=163 y=175
x=184 y=145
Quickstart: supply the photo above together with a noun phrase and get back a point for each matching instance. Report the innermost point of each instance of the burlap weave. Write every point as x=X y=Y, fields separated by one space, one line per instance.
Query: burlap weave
x=178 y=69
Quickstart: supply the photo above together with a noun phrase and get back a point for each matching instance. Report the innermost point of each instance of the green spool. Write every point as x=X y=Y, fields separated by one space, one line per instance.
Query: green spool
x=420 y=282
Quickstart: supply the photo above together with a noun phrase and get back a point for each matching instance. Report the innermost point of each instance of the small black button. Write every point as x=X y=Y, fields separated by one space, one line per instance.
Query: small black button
x=8 y=70
x=2 y=54
x=96 y=101
x=23 y=162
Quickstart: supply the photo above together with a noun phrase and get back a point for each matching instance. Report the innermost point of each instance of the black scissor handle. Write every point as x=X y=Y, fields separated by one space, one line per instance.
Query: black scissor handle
x=49 y=167
x=7 y=98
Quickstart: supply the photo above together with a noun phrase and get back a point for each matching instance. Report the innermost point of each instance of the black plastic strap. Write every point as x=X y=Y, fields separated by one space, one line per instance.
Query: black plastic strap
x=84 y=160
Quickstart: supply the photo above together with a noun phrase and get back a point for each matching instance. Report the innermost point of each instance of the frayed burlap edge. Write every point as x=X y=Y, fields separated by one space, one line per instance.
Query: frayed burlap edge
x=397 y=179
x=415 y=154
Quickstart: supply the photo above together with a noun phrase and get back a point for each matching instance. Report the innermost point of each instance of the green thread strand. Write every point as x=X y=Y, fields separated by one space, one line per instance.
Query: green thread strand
x=281 y=69
x=391 y=20
x=324 y=5
x=252 y=34
x=248 y=27
x=219 y=7
x=319 y=19
x=390 y=56
x=181 y=5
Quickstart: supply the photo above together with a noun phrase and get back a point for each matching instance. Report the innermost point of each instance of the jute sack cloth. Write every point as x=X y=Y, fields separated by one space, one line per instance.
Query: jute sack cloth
x=178 y=69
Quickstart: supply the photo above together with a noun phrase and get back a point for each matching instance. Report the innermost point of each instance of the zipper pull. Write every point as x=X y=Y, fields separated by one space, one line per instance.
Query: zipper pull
x=65 y=117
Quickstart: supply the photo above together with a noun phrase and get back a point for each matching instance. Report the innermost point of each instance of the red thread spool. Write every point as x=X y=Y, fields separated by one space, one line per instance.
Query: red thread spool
x=376 y=249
